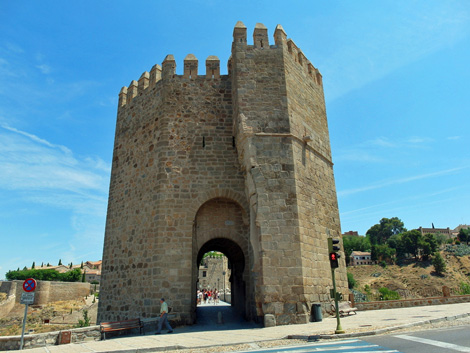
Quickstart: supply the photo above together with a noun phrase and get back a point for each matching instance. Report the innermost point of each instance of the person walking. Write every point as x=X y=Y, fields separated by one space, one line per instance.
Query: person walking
x=163 y=317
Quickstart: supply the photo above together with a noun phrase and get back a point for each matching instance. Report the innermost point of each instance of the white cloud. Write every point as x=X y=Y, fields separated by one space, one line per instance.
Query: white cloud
x=13 y=48
x=412 y=31
x=419 y=140
x=392 y=182
x=45 y=69
x=374 y=151
x=39 y=174
x=384 y=142
x=358 y=155
x=28 y=162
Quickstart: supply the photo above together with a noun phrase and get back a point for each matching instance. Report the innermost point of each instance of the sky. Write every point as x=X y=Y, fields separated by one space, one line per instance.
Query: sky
x=396 y=77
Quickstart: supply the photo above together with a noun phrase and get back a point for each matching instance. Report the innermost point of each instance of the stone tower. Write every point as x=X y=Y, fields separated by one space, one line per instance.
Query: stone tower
x=236 y=163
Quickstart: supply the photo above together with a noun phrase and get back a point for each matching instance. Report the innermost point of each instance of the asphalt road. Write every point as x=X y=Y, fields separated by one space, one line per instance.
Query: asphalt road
x=454 y=339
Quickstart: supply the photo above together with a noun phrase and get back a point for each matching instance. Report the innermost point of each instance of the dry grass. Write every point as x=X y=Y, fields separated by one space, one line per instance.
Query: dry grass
x=65 y=313
x=418 y=279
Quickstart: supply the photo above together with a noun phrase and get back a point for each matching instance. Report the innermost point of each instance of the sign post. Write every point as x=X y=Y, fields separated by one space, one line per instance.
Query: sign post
x=27 y=298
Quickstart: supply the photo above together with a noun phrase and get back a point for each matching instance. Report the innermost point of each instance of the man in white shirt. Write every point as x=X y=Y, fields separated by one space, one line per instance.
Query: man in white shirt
x=163 y=317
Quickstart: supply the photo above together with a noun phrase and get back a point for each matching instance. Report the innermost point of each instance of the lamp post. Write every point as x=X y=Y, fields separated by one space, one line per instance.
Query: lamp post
x=223 y=274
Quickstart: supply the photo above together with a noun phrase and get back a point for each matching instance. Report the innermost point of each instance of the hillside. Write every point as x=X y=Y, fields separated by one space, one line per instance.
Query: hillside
x=62 y=315
x=414 y=279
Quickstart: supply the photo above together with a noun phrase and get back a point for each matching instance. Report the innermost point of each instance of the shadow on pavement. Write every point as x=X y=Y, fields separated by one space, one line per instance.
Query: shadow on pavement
x=212 y=317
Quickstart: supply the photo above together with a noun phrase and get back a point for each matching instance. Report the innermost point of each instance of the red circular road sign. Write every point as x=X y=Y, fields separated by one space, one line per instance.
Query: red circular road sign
x=29 y=285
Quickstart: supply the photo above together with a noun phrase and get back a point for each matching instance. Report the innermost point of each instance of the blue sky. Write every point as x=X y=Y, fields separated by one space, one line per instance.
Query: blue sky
x=396 y=77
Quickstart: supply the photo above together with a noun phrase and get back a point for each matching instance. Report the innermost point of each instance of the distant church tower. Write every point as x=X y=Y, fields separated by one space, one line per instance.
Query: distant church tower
x=238 y=163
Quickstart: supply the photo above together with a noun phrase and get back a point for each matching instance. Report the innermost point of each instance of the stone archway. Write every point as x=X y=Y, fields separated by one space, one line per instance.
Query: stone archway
x=221 y=225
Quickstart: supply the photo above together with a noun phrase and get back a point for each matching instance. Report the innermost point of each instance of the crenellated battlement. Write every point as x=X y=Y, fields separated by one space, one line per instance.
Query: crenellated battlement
x=167 y=71
x=261 y=41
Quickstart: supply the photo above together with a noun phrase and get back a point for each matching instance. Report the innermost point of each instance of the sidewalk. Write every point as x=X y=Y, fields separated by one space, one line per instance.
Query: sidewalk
x=211 y=334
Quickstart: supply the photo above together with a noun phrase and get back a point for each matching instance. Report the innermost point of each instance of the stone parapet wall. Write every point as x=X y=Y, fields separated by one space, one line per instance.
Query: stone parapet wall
x=8 y=343
x=9 y=288
x=7 y=305
x=408 y=303
x=47 y=292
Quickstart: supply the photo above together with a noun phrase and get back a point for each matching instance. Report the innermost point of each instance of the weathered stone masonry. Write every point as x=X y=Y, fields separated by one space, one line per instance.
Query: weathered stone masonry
x=238 y=163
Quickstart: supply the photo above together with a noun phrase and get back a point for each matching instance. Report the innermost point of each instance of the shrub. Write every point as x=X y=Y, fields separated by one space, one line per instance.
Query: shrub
x=351 y=281
x=45 y=275
x=438 y=263
x=367 y=290
x=458 y=250
x=86 y=320
x=387 y=294
x=464 y=288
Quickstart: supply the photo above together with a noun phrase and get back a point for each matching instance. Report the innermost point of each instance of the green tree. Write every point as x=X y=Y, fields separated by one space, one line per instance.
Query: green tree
x=354 y=243
x=383 y=253
x=428 y=245
x=441 y=239
x=81 y=266
x=380 y=233
x=464 y=235
x=438 y=263
x=41 y=275
x=72 y=276
x=411 y=241
x=60 y=262
x=33 y=265
x=394 y=241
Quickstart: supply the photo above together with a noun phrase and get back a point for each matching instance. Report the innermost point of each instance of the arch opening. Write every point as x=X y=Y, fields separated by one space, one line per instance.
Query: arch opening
x=220 y=226
x=226 y=258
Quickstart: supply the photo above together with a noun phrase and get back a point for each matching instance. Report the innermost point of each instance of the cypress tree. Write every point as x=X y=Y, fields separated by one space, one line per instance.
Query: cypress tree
x=438 y=263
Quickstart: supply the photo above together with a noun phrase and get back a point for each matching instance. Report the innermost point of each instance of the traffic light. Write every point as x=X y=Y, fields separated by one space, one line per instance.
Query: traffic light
x=332 y=252
x=334 y=260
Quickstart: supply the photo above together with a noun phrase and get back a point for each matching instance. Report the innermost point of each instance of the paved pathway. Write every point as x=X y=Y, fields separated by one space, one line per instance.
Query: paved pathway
x=209 y=333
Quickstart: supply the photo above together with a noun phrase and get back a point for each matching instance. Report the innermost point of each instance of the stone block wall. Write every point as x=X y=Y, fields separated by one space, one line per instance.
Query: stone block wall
x=408 y=303
x=174 y=151
x=8 y=343
x=48 y=291
x=279 y=102
x=9 y=288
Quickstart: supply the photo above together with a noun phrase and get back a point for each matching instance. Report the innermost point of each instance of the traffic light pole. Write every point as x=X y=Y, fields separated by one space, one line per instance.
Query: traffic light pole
x=339 y=329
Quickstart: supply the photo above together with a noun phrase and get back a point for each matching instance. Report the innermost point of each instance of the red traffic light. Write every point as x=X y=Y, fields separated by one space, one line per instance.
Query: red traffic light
x=334 y=260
